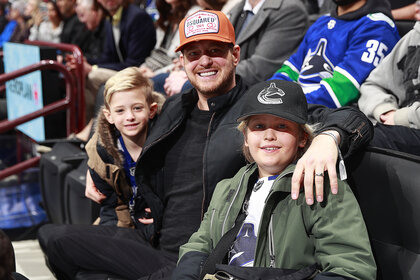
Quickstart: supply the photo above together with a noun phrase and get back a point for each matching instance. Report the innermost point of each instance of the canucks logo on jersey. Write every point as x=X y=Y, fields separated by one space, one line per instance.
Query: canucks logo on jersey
x=316 y=65
x=243 y=249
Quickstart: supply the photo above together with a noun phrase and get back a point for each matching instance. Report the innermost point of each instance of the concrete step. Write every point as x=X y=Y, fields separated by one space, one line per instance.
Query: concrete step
x=30 y=260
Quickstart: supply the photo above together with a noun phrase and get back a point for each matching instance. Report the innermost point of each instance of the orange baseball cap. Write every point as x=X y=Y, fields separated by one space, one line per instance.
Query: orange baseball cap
x=205 y=25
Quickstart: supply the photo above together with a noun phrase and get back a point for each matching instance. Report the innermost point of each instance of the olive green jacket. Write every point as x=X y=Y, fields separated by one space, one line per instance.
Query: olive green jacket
x=292 y=234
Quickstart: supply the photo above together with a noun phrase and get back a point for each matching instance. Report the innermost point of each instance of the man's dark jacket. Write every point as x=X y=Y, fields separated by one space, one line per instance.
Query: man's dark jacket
x=222 y=156
x=137 y=39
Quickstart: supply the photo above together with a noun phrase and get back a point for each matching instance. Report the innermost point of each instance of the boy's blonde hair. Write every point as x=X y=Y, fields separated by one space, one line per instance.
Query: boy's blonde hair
x=304 y=129
x=128 y=79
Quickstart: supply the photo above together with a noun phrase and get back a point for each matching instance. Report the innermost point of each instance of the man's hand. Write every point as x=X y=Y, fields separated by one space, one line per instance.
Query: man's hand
x=146 y=72
x=388 y=118
x=72 y=64
x=321 y=156
x=146 y=221
x=175 y=81
x=91 y=191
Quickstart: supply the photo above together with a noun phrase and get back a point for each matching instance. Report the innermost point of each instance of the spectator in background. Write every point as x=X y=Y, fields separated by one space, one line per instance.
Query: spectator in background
x=73 y=30
x=271 y=21
x=33 y=13
x=7 y=260
x=48 y=30
x=403 y=9
x=7 y=257
x=170 y=14
x=390 y=96
x=92 y=15
x=16 y=30
x=218 y=5
x=129 y=38
x=4 y=5
x=340 y=50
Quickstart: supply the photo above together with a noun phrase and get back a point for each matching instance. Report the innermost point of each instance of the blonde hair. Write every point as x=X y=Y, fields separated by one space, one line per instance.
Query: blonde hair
x=304 y=129
x=128 y=79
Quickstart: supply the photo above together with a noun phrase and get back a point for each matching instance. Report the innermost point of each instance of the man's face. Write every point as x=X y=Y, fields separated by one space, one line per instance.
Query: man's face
x=210 y=66
x=66 y=7
x=88 y=16
x=111 y=5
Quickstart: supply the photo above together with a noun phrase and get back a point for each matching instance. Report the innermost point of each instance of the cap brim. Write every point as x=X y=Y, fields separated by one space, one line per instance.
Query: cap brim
x=283 y=115
x=206 y=37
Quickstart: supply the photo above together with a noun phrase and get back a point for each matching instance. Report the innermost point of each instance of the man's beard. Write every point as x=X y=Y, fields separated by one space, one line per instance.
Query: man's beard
x=344 y=2
x=222 y=88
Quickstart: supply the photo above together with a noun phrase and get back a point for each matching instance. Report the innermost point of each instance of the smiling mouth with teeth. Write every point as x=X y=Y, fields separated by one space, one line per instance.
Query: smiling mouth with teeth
x=206 y=74
x=270 y=149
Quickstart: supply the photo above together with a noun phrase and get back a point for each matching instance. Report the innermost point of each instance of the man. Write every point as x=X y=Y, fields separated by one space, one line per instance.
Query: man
x=268 y=32
x=192 y=146
x=73 y=29
x=130 y=35
x=129 y=38
x=390 y=96
x=339 y=51
x=92 y=15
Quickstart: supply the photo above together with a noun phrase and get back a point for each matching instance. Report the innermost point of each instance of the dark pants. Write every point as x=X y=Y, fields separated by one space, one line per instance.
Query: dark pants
x=396 y=137
x=106 y=249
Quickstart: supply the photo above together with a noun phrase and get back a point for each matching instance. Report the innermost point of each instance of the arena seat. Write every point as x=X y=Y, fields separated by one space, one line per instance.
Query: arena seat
x=404 y=26
x=387 y=186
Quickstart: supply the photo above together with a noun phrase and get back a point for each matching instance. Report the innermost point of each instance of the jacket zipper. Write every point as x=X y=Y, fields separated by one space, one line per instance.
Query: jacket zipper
x=271 y=243
x=357 y=130
x=233 y=200
x=212 y=218
x=204 y=173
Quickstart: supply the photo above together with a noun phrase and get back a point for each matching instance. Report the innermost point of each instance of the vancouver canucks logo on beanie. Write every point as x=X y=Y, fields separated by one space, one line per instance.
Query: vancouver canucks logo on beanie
x=271 y=95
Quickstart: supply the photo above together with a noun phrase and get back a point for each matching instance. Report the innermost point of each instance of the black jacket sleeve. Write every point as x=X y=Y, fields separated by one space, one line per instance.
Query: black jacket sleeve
x=189 y=266
x=354 y=127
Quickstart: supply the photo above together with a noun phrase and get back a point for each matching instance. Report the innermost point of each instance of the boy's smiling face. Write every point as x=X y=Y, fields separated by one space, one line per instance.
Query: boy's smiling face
x=273 y=142
x=130 y=113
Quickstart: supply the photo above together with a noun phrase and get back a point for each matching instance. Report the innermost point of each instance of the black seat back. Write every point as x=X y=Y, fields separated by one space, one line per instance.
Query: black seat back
x=387 y=185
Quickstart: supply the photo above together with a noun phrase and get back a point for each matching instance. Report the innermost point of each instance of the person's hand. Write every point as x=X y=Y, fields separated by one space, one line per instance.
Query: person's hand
x=71 y=63
x=38 y=18
x=417 y=12
x=146 y=72
x=321 y=156
x=146 y=221
x=91 y=191
x=176 y=62
x=60 y=58
x=388 y=118
x=175 y=81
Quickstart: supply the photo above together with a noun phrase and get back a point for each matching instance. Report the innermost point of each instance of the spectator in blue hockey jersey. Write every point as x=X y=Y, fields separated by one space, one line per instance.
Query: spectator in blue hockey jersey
x=340 y=50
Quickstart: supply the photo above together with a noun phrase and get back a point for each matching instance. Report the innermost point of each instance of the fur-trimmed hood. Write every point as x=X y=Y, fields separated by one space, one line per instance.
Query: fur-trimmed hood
x=107 y=139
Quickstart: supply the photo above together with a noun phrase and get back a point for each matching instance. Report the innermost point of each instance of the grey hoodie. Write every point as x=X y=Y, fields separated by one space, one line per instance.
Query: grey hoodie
x=395 y=84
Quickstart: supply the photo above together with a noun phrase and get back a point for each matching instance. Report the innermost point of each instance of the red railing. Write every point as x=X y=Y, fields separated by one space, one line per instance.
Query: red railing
x=68 y=103
x=74 y=98
x=78 y=73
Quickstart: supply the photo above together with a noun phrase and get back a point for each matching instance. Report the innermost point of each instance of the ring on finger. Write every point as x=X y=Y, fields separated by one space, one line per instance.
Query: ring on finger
x=319 y=174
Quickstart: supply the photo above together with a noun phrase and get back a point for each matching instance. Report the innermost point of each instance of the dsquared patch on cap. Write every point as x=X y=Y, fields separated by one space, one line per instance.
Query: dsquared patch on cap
x=201 y=23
